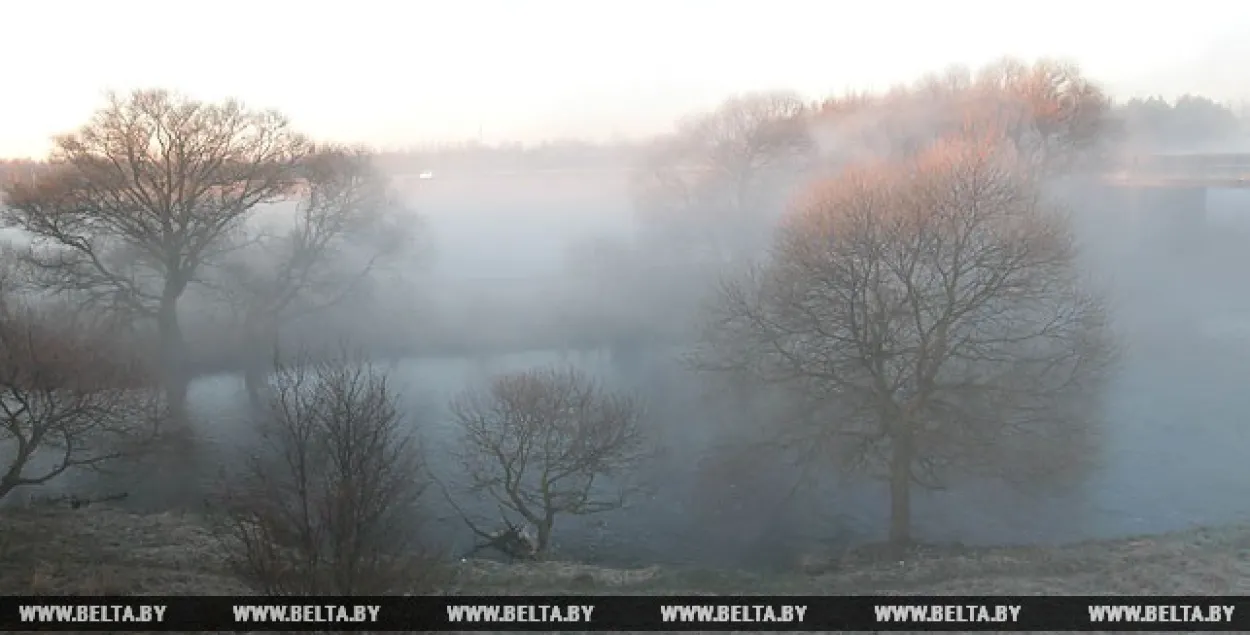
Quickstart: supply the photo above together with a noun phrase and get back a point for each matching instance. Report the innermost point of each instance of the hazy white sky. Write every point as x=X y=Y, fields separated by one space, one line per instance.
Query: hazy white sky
x=397 y=73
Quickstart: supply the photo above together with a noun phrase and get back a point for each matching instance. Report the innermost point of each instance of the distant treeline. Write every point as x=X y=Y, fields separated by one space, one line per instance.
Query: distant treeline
x=471 y=157
x=1191 y=122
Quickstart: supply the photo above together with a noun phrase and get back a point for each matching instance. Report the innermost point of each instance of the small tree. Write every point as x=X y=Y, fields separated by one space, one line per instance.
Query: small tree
x=68 y=393
x=326 y=502
x=542 y=443
x=922 y=319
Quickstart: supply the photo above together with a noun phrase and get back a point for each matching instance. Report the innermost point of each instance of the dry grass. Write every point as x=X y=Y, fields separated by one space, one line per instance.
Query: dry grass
x=1198 y=562
x=96 y=551
x=99 y=551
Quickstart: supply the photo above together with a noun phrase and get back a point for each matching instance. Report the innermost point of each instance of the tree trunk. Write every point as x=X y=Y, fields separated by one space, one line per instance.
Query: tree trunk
x=177 y=480
x=544 y=534
x=254 y=377
x=900 y=490
x=260 y=345
x=173 y=358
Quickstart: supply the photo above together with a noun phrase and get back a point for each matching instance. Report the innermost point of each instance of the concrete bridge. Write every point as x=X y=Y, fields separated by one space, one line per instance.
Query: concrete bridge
x=1184 y=171
x=1165 y=196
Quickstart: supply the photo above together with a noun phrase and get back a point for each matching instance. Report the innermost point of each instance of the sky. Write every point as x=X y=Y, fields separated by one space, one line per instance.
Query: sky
x=403 y=73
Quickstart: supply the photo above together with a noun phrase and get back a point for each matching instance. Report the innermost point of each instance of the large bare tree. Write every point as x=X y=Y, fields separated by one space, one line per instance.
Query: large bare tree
x=924 y=319
x=344 y=225
x=708 y=188
x=544 y=443
x=143 y=196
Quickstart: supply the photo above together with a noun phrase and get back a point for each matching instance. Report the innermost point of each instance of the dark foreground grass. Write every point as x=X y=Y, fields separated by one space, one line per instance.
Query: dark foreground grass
x=101 y=551
x=98 y=550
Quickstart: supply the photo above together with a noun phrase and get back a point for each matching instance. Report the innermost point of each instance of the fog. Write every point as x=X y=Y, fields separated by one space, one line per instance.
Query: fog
x=1173 y=457
x=541 y=261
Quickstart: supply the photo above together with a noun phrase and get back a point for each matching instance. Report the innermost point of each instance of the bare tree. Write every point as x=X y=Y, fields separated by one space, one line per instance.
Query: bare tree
x=1055 y=117
x=327 y=501
x=70 y=396
x=346 y=224
x=145 y=194
x=924 y=319
x=542 y=443
x=709 y=186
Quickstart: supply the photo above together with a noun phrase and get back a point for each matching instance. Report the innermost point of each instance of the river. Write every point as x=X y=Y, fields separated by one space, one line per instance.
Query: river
x=1174 y=457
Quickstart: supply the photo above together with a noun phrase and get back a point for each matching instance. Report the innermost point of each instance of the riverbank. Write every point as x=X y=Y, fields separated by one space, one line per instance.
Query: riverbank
x=103 y=551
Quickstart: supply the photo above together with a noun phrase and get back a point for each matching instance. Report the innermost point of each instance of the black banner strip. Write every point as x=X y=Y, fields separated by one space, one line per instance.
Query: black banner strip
x=628 y=613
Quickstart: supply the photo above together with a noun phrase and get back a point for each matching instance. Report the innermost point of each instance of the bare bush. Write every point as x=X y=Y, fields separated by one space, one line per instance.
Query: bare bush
x=542 y=443
x=327 y=501
x=923 y=319
x=70 y=396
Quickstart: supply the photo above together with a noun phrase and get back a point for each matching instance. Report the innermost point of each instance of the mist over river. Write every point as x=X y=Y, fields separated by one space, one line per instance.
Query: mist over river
x=1174 y=454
